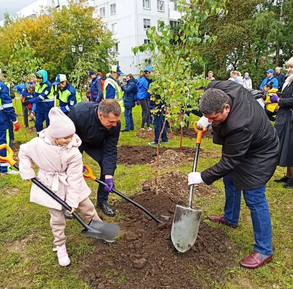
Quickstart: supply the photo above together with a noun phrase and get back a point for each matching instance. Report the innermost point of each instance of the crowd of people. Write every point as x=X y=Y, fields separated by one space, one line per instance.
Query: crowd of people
x=252 y=147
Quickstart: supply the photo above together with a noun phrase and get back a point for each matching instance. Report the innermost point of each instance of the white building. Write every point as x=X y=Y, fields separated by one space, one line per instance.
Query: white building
x=128 y=21
x=34 y=9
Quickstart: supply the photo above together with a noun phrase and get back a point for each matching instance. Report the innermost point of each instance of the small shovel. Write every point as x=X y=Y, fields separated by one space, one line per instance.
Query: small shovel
x=95 y=229
x=186 y=220
x=89 y=175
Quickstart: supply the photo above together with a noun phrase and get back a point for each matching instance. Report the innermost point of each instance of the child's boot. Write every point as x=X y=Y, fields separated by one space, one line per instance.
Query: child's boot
x=63 y=258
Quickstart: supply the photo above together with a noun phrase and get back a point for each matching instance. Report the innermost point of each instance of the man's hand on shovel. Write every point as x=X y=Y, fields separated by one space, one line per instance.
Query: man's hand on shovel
x=194 y=178
x=110 y=184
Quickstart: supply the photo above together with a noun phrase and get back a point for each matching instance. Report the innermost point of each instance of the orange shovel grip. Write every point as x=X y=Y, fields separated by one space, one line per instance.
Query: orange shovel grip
x=199 y=132
x=9 y=158
x=89 y=174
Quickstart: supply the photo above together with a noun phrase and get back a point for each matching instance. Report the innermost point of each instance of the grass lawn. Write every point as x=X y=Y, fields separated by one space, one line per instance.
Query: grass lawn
x=27 y=260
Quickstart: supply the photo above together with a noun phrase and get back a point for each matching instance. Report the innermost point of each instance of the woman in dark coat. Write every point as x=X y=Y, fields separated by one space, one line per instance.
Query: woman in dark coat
x=284 y=127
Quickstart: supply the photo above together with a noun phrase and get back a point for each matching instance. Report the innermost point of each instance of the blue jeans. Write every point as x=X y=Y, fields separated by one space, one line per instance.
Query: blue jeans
x=158 y=125
x=255 y=200
x=128 y=119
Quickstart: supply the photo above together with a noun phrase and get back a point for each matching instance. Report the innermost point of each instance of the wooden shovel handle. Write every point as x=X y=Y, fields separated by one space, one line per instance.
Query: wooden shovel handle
x=199 y=132
x=9 y=158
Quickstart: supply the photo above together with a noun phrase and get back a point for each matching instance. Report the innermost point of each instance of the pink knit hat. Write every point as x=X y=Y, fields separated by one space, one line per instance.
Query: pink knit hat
x=60 y=124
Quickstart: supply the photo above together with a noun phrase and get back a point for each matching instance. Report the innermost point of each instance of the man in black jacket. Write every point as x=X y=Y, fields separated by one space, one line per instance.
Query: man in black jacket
x=98 y=126
x=250 y=153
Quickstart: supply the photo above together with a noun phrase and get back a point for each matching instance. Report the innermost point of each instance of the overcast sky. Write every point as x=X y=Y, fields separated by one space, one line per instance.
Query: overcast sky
x=11 y=6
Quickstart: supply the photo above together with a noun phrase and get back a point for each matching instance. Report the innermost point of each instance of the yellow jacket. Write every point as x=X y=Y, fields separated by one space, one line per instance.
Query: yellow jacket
x=271 y=106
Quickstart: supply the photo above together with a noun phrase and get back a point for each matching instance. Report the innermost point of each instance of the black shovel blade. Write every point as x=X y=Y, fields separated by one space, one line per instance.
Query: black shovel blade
x=102 y=230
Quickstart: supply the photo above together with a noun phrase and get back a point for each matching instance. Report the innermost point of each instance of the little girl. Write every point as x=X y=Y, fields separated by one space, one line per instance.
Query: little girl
x=56 y=154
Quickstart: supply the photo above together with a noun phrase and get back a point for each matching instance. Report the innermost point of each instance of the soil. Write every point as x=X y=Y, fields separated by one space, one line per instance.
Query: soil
x=144 y=256
x=132 y=155
x=15 y=147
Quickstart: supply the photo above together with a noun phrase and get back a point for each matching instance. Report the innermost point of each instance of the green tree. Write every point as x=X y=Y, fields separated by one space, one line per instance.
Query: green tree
x=174 y=52
x=22 y=61
x=51 y=36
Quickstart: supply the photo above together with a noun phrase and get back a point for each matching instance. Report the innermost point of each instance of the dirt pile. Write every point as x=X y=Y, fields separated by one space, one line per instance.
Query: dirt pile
x=132 y=155
x=170 y=158
x=144 y=256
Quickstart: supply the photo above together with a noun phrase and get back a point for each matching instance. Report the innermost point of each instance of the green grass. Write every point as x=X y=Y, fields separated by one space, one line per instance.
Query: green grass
x=27 y=260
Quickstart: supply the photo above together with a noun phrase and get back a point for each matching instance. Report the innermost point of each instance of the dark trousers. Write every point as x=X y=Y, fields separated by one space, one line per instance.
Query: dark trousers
x=128 y=119
x=158 y=125
x=97 y=155
x=11 y=131
x=25 y=111
x=40 y=117
x=145 y=112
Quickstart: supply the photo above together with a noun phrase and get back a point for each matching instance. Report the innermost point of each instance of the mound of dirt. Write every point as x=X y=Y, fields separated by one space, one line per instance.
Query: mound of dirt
x=170 y=158
x=144 y=256
x=174 y=185
x=131 y=155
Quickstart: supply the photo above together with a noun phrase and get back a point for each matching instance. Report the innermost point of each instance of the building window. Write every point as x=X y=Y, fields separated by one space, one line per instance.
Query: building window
x=115 y=48
x=102 y=12
x=174 y=23
x=146 y=41
x=146 y=23
x=113 y=9
x=114 y=28
x=146 y=4
x=161 y=6
x=148 y=61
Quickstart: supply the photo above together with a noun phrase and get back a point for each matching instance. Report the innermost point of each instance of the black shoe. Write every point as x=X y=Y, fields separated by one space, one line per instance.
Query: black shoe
x=107 y=209
x=124 y=130
x=67 y=215
x=132 y=129
x=282 y=180
x=289 y=184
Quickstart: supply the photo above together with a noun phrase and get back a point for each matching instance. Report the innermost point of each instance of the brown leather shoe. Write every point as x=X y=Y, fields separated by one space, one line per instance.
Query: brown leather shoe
x=220 y=220
x=254 y=261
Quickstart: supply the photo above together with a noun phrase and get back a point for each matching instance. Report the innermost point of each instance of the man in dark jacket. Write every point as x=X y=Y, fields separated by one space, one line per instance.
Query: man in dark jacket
x=280 y=76
x=96 y=87
x=98 y=126
x=250 y=153
x=130 y=91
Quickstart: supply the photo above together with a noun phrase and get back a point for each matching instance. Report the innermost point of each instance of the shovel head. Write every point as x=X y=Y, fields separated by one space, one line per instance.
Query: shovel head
x=185 y=228
x=101 y=230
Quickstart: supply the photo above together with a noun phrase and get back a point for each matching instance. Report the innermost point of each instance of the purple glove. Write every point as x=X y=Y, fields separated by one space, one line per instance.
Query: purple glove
x=274 y=98
x=110 y=185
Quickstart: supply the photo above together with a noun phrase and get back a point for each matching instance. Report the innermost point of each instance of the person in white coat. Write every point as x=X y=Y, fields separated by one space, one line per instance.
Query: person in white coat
x=60 y=164
x=247 y=83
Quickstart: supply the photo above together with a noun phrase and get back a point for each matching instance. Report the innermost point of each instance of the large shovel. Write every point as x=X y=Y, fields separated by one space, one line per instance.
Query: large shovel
x=186 y=220
x=95 y=229
x=88 y=174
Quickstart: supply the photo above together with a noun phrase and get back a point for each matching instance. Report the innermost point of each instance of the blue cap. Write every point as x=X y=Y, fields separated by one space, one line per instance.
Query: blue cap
x=148 y=68
x=91 y=73
x=59 y=78
x=270 y=71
